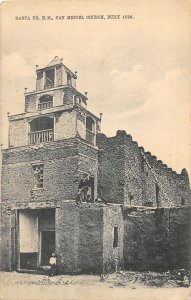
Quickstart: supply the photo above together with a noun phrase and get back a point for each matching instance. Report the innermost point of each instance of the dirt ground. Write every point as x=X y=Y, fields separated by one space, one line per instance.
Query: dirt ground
x=121 y=285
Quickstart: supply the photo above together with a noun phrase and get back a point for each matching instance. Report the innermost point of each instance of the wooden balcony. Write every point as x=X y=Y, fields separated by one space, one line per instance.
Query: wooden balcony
x=42 y=136
x=45 y=105
x=90 y=136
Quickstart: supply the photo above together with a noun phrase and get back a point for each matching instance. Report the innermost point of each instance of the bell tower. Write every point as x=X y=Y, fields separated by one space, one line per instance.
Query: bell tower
x=55 y=111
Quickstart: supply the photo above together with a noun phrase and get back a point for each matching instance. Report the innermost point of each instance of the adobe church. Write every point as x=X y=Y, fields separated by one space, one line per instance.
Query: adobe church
x=137 y=215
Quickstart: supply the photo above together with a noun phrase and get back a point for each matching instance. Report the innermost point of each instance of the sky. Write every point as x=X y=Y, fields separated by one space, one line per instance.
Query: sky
x=136 y=71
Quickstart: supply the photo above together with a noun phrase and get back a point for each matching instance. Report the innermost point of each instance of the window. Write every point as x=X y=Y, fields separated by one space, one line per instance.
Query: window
x=69 y=79
x=41 y=130
x=90 y=130
x=91 y=187
x=115 y=238
x=45 y=101
x=38 y=176
x=49 y=79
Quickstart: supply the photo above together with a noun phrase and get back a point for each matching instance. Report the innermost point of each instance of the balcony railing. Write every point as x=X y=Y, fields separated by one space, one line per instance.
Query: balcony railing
x=42 y=136
x=45 y=105
x=90 y=136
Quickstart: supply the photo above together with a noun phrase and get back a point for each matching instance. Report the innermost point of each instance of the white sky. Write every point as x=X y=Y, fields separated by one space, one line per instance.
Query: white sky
x=136 y=72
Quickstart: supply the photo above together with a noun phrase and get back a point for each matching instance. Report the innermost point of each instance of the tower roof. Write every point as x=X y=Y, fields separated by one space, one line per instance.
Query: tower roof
x=54 y=62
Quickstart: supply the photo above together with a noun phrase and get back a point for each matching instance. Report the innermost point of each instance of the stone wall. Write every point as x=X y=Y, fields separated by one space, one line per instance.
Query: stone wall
x=64 y=164
x=129 y=175
x=156 y=239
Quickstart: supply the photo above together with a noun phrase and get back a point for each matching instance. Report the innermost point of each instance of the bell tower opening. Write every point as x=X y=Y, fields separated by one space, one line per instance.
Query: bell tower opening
x=45 y=101
x=41 y=130
x=90 y=130
x=49 y=79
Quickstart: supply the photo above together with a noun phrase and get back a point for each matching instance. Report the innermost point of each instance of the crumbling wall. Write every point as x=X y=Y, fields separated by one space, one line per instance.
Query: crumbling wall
x=173 y=187
x=111 y=171
x=156 y=239
x=119 y=178
x=128 y=174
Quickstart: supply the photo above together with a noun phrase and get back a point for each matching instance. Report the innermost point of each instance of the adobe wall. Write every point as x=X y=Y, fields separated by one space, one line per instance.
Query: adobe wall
x=120 y=174
x=156 y=239
x=7 y=245
x=64 y=164
x=65 y=125
x=18 y=133
x=68 y=96
x=112 y=256
x=31 y=103
x=60 y=97
x=81 y=121
x=79 y=238
x=84 y=238
x=173 y=187
x=132 y=176
x=111 y=170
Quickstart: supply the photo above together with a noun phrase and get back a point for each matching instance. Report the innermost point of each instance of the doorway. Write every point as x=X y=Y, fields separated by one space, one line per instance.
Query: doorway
x=47 y=246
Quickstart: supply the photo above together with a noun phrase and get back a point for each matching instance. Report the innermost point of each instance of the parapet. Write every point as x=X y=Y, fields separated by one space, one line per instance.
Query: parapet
x=122 y=137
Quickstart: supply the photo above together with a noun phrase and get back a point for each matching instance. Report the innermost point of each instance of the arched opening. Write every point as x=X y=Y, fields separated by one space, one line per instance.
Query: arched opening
x=45 y=101
x=90 y=130
x=41 y=130
x=49 y=79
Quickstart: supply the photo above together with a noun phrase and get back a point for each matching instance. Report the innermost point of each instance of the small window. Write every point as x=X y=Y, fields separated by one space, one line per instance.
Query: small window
x=91 y=187
x=69 y=79
x=115 y=238
x=38 y=176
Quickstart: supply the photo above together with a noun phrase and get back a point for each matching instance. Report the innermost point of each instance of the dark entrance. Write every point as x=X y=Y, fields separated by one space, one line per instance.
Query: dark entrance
x=47 y=246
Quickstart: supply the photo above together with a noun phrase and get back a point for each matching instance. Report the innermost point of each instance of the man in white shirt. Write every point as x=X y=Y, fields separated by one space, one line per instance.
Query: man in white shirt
x=52 y=262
